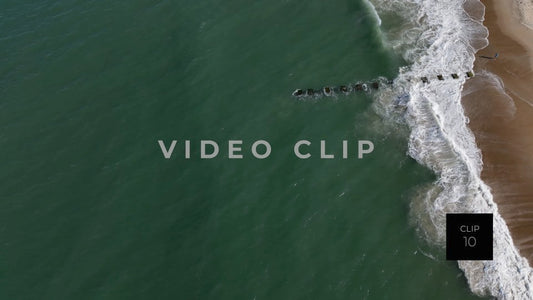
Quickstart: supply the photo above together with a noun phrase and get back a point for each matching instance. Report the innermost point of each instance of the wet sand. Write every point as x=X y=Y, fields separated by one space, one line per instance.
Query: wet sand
x=502 y=119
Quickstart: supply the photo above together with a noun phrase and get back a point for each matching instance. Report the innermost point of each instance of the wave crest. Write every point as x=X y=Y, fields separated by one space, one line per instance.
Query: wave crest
x=442 y=37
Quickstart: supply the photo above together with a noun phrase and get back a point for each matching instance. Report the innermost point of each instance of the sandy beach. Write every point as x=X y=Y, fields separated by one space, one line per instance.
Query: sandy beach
x=499 y=104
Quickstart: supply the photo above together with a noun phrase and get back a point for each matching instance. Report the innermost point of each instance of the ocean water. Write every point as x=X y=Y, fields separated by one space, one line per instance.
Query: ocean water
x=90 y=209
x=441 y=37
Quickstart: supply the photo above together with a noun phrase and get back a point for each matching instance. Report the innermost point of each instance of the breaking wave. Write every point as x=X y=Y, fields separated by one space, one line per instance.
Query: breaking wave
x=442 y=37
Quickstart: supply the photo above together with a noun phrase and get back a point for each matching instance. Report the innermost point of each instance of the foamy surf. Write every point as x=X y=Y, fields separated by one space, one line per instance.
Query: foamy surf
x=524 y=9
x=438 y=36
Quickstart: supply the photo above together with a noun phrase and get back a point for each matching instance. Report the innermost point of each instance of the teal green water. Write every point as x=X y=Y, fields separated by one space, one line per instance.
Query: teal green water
x=89 y=209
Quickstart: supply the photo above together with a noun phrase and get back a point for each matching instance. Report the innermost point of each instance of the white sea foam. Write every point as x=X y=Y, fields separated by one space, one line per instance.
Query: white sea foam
x=439 y=37
x=373 y=11
x=525 y=12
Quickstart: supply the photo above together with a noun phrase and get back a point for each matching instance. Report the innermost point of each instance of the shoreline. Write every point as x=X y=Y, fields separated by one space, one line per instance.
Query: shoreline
x=499 y=104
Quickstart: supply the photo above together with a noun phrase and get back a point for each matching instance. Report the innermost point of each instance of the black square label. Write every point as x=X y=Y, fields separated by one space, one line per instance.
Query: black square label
x=469 y=236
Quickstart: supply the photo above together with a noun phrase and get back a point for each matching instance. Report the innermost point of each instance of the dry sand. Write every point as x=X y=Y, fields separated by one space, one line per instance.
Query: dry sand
x=502 y=118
